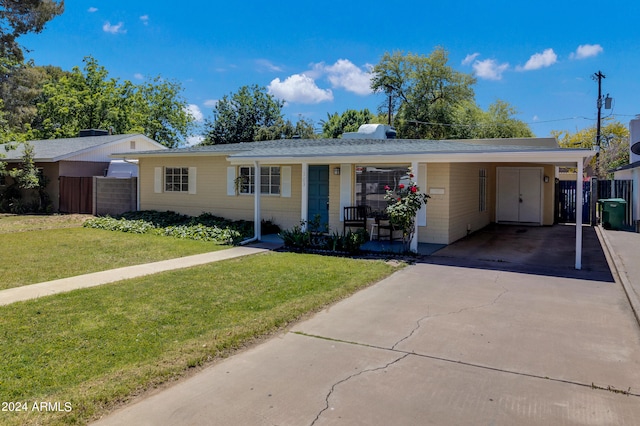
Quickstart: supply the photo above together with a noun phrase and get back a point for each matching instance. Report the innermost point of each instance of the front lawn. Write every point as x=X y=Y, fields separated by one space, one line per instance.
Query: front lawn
x=92 y=349
x=30 y=257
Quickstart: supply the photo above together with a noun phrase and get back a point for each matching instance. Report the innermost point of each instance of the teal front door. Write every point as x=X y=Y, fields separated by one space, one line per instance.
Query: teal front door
x=319 y=194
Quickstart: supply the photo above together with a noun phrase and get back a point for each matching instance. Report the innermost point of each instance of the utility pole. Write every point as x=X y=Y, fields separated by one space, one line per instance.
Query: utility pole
x=599 y=76
x=607 y=104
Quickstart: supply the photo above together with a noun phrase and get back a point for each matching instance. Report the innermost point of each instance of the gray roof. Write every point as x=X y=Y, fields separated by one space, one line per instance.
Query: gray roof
x=344 y=147
x=627 y=167
x=55 y=149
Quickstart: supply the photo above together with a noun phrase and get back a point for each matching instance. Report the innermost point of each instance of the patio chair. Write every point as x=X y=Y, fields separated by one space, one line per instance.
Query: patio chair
x=355 y=217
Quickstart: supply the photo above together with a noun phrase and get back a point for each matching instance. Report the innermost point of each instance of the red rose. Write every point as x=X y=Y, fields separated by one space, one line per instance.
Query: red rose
x=399 y=199
x=386 y=188
x=411 y=176
x=401 y=186
x=414 y=189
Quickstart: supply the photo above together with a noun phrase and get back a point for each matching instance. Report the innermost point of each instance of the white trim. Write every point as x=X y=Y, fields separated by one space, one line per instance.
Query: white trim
x=559 y=157
x=579 y=216
x=304 y=199
x=257 y=217
x=413 y=244
x=346 y=188
x=421 y=179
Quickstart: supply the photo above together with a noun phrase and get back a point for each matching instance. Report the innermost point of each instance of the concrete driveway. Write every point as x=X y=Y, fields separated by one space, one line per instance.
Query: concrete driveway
x=430 y=345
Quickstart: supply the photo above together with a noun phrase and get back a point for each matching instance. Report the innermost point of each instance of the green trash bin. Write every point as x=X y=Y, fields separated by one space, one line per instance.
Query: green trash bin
x=612 y=212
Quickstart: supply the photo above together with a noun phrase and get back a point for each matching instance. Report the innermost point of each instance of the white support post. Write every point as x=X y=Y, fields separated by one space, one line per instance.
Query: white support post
x=579 y=215
x=257 y=216
x=304 y=207
x=413 y=246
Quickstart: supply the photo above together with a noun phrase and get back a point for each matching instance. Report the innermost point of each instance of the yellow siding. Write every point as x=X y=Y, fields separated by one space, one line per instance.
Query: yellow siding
x=211 y=193
x=464 y=205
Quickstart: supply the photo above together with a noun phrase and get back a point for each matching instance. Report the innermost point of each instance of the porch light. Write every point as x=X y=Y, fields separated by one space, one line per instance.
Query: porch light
x=336 y=171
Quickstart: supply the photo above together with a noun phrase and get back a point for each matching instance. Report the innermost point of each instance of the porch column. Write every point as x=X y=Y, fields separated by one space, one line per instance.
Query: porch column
x=413 y=246
x=579 y=216
x=257 y=190
x=304 y=202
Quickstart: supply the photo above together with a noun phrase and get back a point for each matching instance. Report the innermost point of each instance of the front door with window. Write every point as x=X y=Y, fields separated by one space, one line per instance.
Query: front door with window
x=519 y=195
x=319 y=193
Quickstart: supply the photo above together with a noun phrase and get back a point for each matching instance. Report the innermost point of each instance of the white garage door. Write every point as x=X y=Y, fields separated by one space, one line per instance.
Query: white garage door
x=519 y=195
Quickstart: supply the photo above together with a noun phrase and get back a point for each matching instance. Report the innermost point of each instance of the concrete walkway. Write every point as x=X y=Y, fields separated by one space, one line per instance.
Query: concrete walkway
x=98 y=278
x=624 y=251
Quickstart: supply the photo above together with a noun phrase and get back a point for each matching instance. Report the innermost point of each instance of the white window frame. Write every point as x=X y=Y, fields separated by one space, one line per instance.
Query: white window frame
x=182 y=174
x=270 y=180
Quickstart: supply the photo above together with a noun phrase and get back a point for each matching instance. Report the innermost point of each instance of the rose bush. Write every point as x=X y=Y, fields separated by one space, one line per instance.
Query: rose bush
x=403 y=204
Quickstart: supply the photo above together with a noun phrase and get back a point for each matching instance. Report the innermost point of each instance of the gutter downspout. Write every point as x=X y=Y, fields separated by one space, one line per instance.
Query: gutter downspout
x=257 y=225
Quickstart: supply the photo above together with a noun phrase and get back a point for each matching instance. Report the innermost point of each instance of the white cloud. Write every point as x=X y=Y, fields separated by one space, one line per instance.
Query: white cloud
x=211 y=103
x=114 y=29
x=92 y=9
x=489 y=69
x=145 y=19
x=267 y=65
x=195 y=112
x=540 y=60
x=299 y=88
x=194 y=140
x=470 y=58
x=344 y=74
x=587 y=51
x=138 y=76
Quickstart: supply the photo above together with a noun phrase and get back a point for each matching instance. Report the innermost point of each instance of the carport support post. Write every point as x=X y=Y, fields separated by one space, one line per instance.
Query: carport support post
x=579 y=215
x=413 y=245
x=257 y=190
x=304 y=207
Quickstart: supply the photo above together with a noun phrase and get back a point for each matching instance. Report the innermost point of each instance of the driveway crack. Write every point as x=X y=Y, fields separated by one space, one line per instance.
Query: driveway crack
x=333 y=387
x=428 y=316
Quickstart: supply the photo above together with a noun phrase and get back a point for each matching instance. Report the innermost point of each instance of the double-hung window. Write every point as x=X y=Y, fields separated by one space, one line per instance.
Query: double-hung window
x=269 y=180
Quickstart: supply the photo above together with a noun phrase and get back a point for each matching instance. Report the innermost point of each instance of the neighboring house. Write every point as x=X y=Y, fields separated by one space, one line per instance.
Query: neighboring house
x=69 y=164
x=632 y=170
x=471 y=182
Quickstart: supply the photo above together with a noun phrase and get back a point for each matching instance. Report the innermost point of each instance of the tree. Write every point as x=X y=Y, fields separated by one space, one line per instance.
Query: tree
x=471 y=122
x=614 y=146
x=89 y=99
x=431 y=100
x=248 y=115
x=21 y=91
x=22 y=17
x=426 y=91
x=348 y=121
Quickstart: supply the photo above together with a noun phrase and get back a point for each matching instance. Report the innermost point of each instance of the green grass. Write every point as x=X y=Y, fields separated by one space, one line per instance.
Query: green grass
x=46 y=254
x=96 y=347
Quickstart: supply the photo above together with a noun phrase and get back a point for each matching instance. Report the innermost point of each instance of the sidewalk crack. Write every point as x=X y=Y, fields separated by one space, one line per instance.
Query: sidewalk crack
x=333 y=387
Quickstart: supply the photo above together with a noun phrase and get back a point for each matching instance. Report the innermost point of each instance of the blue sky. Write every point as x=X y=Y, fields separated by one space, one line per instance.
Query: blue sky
x=537 y=56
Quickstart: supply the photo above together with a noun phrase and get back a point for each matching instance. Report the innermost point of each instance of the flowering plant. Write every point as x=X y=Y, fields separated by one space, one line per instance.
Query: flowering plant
x=403 y=204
